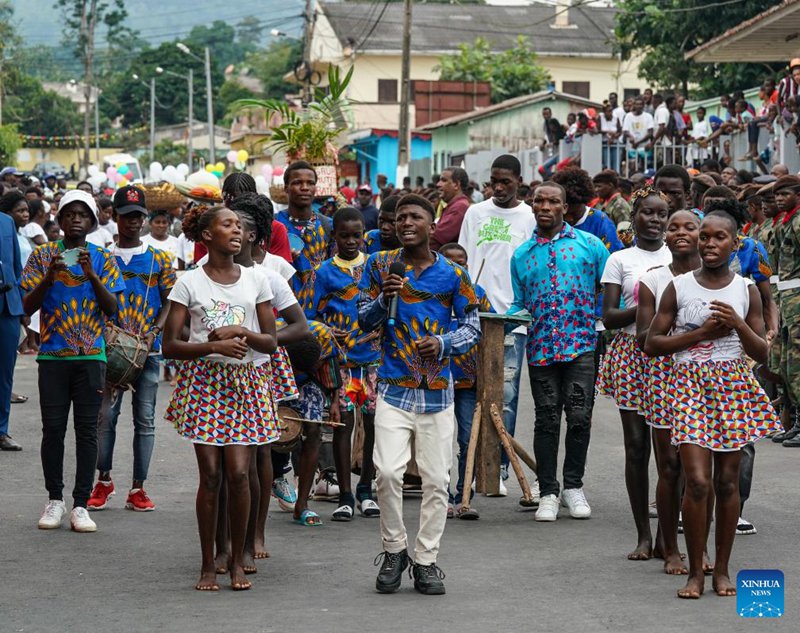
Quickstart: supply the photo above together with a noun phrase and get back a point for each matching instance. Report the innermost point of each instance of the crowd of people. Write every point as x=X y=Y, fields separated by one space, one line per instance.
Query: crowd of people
x=357 y=322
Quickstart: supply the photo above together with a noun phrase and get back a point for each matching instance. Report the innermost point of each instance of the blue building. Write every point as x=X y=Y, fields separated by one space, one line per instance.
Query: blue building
x=376 y=153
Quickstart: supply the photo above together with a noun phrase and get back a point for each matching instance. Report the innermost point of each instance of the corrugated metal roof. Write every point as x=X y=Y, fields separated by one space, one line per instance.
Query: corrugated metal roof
x=508 y=104
x=771 y=36
x=438 y=28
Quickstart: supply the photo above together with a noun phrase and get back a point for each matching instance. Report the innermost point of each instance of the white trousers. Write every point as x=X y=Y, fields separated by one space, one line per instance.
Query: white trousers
x=433 y=438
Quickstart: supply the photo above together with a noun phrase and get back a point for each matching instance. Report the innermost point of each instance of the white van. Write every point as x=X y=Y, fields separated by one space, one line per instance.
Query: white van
x=134 y=175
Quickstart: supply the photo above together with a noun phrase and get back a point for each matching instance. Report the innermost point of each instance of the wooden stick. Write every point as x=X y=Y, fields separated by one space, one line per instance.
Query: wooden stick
x=469 y=469
x=523 y=454
x=293 y=419
x=512 y=456
x=480 y=270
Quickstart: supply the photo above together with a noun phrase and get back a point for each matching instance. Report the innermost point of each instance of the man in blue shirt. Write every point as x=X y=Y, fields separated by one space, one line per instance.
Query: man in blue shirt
x=415 y=386
x=555 y=276
x=10 y=313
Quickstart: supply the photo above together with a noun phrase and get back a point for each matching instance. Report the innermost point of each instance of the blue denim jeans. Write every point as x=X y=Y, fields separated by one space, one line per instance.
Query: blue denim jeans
x=512 y=369
x=144 y=428
x=465 y=401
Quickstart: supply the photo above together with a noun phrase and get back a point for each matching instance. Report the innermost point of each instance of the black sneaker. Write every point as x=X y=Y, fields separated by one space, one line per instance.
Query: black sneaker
x=780 y=438
x=428 y=579
x=391 y=571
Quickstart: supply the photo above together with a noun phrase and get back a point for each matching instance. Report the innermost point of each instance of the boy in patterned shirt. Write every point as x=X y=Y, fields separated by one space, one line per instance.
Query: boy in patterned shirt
x=415 y=388
x=74 y=285
x=333 y=301
x=143 y=309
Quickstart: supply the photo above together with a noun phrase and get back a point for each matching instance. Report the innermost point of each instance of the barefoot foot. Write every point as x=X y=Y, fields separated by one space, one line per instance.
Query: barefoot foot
x=239 y=581
x=249 y=563
x=261 y=550
x=708 y=566
x=693 y=589
x=723 y=586
x=643 y=551
x=674 y=566
x=221 y=562
x=207 y=582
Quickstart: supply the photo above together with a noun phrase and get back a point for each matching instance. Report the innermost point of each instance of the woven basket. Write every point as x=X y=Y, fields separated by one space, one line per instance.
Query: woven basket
x=278 y=194
x=163 y=195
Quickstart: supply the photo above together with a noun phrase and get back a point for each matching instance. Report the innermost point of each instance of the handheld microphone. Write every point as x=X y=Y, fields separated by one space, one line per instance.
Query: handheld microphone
x=397 y=268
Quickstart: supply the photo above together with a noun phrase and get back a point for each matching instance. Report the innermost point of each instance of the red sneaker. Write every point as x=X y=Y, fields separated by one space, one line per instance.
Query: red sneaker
x=99 y=497
x=139 y=501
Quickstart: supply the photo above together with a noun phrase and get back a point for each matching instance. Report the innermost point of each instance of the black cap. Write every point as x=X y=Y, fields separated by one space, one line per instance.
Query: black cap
x=129 y=199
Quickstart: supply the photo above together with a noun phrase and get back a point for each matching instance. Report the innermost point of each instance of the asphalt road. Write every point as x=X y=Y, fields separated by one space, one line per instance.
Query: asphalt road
x=505 y=573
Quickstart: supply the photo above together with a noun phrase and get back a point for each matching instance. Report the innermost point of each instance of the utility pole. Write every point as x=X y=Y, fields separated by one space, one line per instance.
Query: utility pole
x=210 y=108
x=97 y=127
x=191 y=117
x=405 y=98
x=308 y=16
x=87 y=31
x=152 y=119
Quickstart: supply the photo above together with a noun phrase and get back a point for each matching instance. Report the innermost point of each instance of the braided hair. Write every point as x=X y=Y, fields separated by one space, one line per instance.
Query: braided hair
x=198 y=219
x=261 y=210
x=237 y=184
x=640 y=195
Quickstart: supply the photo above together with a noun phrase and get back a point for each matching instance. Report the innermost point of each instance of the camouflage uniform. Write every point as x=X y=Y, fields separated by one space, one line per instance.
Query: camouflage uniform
x=617 y=208
x=768 y=234
x=789 y=288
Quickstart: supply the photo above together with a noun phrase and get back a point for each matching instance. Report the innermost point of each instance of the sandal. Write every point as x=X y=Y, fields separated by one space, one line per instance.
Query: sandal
x=18 y=399
x=343 y=513
x=467 y=514
x=369 y=508
x=451 y=511
x=308 y=518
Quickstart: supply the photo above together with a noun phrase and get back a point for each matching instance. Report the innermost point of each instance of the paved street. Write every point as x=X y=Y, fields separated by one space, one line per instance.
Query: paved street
x=505 y=573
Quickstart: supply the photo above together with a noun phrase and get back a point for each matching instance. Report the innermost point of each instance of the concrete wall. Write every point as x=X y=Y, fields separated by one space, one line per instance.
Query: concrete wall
x=27 y=157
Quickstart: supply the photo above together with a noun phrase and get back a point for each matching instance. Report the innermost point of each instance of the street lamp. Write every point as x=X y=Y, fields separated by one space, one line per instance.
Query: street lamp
x=190 y=79
x=152 y=112
x=185 y=49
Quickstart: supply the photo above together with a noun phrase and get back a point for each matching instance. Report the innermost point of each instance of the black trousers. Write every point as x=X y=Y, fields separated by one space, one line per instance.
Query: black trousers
x=77 y=384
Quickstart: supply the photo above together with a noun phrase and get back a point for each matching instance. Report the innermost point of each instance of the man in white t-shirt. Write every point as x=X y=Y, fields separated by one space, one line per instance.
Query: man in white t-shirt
x=637 y=128
x=490 y=233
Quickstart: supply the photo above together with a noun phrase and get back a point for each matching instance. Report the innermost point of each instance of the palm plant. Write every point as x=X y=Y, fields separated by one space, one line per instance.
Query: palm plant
x=311 y=133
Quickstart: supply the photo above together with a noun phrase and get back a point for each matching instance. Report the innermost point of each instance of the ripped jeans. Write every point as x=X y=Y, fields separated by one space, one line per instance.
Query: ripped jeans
x=568 y=386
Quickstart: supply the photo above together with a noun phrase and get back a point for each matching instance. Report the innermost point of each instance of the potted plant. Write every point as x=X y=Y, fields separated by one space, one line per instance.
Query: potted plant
x=310 y=134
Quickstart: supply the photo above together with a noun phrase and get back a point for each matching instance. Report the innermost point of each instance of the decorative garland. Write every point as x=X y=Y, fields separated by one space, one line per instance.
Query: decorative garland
x=76 y=140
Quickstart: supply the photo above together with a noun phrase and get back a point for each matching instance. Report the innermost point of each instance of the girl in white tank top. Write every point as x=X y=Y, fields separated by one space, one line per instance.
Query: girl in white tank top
x=707 y=320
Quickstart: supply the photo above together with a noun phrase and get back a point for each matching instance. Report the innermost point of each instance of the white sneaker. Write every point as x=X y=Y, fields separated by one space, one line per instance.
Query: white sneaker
x=80 y=521
x=501 y=492
x=575 y=501
x=548 y=508
x=327 y=488
x=52 y=516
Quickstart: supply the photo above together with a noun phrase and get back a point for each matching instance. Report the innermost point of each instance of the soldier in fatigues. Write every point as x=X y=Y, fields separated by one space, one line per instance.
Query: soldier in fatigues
x=768 y=235
x=788 y=234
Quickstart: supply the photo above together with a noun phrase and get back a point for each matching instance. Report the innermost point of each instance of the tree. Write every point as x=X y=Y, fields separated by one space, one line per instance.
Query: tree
x=271 y=64
x=249 y=32
x=663 y=31
x=9 y=144
x=37 y=111
x=81 y=20
x=512 y=73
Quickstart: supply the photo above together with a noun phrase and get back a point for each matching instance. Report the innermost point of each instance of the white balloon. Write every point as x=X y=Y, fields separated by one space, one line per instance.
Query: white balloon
x=277 y=180
x=170 y=174
x=261 y=184
x=93 y=170
x=97 y=180
x=203 y=178
x=183 y=170
x=156 y=170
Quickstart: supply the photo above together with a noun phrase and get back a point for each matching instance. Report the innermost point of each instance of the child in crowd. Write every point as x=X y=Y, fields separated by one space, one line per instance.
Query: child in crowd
x=223 y=401
x=333 y=301
x=315 y=363
x=74 y=285
x=623 y=373
x=384 y=238
x=708 y=320
x=464 y=368
x=683 y=230
x=159 y=236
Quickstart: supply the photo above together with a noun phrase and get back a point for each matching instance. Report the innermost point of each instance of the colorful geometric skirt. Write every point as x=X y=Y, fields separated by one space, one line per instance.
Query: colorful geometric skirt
x=623 y=373
x=718 y=405
x=284 y=386
x=657 y=412
x=224 y=403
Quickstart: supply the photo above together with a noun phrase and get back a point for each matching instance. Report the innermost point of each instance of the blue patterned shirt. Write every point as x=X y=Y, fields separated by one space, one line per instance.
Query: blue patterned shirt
x=315 y=237
x=556 y=280
x=425 y=308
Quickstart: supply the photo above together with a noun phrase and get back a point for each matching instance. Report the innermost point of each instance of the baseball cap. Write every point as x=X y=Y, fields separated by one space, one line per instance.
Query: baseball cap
x=365 y=187
x=76 y=195
x=129 y=199
x=10 y=170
